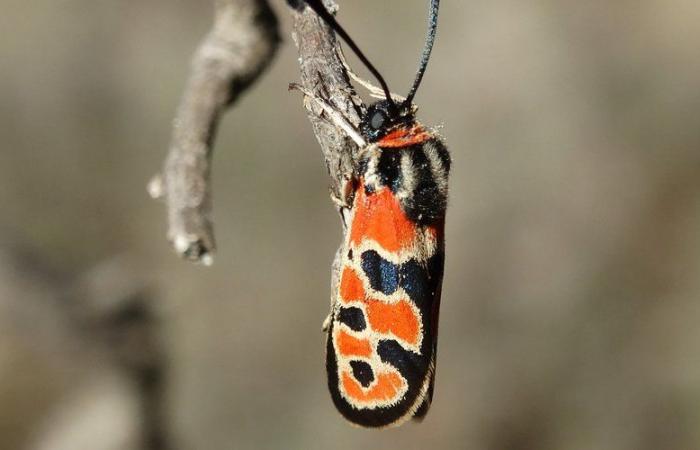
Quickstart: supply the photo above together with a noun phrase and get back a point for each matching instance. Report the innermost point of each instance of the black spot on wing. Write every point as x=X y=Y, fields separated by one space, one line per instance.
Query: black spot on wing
x=354 y=318
x=362 y=372
x=383 y=276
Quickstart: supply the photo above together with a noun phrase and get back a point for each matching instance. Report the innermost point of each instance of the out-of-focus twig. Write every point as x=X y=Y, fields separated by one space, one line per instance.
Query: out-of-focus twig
x=97 y=339
x=239 y=47
x=116 y=314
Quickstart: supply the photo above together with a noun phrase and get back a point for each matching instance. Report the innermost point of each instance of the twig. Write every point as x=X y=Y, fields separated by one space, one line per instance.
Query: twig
x=241 y=44
x=324 y=75
x=335 y=116
x=239 y=47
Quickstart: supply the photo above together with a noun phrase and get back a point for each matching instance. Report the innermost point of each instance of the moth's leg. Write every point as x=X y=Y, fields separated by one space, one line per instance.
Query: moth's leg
x=338 y=201
x=335 y=116
x=346 y=195
x=325 y=326
x=343 y=209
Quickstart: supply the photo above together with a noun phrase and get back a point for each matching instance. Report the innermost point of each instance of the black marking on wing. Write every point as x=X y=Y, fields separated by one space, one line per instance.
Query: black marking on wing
x=383 y=276
x=362 y=372
x=420 y=280
x=411 y=365
x=353 y=317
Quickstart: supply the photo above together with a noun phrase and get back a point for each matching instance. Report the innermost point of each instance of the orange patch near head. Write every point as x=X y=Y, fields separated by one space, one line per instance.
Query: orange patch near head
x=351 y=346
x=379 y=217
x=398 y=319
x=386 y=388
x=403 y=137
x=351 y=286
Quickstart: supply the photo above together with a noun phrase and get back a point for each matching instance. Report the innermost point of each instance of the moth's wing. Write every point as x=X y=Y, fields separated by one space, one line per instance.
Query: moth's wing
x=394 y=294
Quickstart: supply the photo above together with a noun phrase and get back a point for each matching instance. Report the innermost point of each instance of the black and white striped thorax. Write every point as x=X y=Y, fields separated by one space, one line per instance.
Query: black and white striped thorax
x=416 y=174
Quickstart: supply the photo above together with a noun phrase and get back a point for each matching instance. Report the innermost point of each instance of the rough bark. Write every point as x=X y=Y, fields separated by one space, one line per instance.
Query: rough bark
x=324 y=74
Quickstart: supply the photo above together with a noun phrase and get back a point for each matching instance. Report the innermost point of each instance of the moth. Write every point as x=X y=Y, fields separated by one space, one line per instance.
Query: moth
x=382 y=329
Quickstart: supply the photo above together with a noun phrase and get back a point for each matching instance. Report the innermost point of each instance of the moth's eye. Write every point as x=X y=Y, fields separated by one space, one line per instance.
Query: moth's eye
x=377 y=120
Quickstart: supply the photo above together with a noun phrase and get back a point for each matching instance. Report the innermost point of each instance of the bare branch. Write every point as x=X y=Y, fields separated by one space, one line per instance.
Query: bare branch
x=324 y=75
x=239 y=47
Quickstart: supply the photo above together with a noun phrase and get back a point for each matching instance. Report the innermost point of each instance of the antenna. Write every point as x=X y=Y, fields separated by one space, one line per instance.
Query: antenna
x=320 y=9
x=425 y=56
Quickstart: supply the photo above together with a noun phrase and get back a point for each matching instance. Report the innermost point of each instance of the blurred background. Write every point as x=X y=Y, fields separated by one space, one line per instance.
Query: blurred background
x=571 y=304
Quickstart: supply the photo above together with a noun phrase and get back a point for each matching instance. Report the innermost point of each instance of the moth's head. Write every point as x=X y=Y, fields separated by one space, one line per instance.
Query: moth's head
x=382 y=117
x=385 y=115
